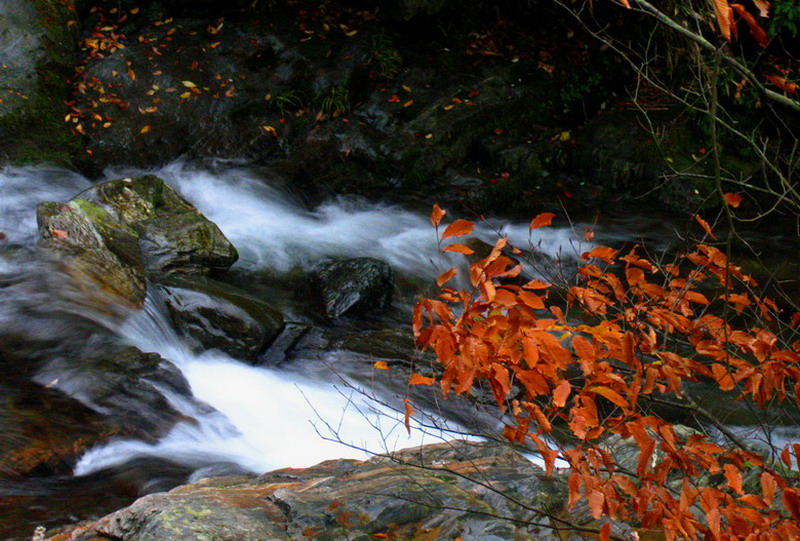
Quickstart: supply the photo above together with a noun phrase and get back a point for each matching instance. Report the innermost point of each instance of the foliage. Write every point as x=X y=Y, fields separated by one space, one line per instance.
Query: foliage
x=785 y=17
x=383 y=57
x=631 y=332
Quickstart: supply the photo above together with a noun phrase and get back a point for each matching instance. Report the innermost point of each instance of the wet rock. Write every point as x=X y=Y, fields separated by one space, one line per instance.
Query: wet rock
x=99 y=252
x=355 y=286
x=349 y=499
x=174 y=237
x=123 y=384
x=221 y=316
x=43 y=431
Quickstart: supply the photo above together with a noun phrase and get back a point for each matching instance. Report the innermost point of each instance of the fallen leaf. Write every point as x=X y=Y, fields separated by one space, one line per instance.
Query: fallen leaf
x=145 y=129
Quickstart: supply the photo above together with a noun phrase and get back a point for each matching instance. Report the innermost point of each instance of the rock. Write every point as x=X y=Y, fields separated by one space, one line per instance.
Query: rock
x=123 y=384
x=98 y=252
x=349 y=499
x=43 y=431
x=174 y=236
x=220 y=316
x=37 y=50
x=355 y=286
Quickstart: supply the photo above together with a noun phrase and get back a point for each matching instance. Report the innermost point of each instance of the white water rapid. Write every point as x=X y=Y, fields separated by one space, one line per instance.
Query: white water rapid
x=263 y=418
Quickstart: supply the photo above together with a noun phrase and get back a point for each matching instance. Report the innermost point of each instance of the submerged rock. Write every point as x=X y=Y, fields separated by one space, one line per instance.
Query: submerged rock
x=220 y=316
x=355 y=286
x=123 y=384
x=441 y=491
x=174 y=236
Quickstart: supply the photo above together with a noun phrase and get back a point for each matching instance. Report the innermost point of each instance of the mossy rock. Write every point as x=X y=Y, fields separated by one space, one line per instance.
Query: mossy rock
x=174 y=236
x=96 y=250
x=221 y=316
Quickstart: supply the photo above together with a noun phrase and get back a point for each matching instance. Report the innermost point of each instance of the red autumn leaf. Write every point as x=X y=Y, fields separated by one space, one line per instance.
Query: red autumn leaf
x=436 y=215
x=59 y=233
x=458 y=228
x=458 y=248
x=705 y=226
x=732 y=199
x=419 y=379
x=543 y=219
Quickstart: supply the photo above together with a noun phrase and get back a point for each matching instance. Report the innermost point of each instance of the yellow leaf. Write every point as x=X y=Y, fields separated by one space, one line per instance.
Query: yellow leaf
x=351 y=33
x=186 y=95
x=188 y=84
x=145 y=129
x=270 y=129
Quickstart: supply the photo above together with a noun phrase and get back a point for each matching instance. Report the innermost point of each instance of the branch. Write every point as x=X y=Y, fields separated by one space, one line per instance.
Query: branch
x=649 y=8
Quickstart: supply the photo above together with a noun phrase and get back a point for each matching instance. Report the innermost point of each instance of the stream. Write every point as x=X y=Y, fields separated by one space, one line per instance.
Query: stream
x=318 y=405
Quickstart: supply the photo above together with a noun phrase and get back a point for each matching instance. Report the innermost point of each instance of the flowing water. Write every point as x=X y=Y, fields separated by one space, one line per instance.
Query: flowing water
x=243 y=417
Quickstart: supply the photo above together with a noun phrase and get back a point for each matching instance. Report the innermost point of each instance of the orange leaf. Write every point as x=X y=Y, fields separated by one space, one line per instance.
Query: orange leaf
x=605 y=531
x=610 y=394
x=601 y=252
x=145 y=129
x=724 y=18
x=763 y=7
x=409 y=413
x=536 y=284
x=458 y=228
x=756 y=31
x=459 y=248
x=418 y=379
x=732 y=199
x=436 y=215
x=705 y=226
x=381 y=365
x=561 y=393
x=59 y=233
x=734 y=477
x=782 y=83
x=543 y=219
x=446 y=276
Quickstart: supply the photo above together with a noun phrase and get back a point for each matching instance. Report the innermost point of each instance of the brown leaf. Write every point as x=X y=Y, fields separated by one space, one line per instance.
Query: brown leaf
x=458 y=228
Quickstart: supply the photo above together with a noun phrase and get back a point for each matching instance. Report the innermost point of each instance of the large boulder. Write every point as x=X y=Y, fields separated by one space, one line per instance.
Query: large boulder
x=174 y=236
x=355 y=286
x=99 y=252
x=220 y=316
x=444 y=491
